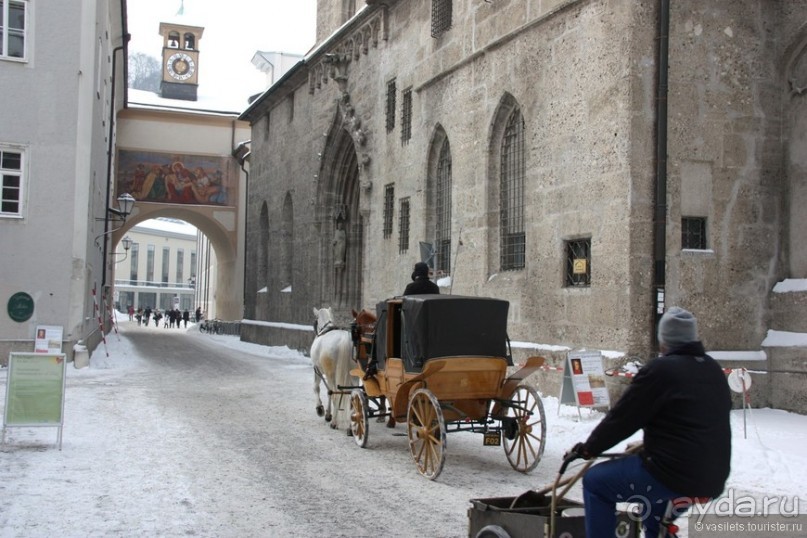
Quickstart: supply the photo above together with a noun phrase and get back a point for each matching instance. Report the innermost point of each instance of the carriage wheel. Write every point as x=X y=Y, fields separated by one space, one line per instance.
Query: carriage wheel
x=358 y=417
x=525 y=449
x=427 y=433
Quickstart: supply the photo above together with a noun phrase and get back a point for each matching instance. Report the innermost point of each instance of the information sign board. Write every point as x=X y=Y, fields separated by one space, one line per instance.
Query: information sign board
x=35 y=391
x=584 y=380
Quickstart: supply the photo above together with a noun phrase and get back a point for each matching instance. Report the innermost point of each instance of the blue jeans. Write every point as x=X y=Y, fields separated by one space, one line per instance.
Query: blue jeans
x=623 y=480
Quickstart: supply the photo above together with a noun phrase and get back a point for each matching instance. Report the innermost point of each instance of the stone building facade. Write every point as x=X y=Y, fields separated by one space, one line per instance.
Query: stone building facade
x=590 y=161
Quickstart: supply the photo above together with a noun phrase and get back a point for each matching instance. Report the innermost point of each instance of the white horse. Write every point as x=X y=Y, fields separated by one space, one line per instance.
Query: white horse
x=331 y=356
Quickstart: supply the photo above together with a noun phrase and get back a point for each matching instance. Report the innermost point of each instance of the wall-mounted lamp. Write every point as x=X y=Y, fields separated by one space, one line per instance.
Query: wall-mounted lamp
x=126 y=203
x=127 y=244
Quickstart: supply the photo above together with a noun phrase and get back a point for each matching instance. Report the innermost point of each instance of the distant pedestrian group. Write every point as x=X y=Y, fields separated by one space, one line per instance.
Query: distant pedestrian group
x=171 y=318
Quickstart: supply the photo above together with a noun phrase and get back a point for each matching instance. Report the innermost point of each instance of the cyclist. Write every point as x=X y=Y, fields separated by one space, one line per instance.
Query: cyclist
x=682 y=402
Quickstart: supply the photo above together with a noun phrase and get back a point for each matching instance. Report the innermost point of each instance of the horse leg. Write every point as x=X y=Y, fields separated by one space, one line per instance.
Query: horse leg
x=320 y=408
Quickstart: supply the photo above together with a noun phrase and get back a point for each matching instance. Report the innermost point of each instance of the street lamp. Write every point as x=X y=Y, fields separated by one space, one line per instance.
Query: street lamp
x=125 y=205
x=127 y=244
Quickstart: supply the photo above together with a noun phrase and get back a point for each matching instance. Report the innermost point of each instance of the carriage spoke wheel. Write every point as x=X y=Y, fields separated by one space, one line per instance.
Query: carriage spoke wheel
x=358 y=417
x=525 y=449
x=426 y=429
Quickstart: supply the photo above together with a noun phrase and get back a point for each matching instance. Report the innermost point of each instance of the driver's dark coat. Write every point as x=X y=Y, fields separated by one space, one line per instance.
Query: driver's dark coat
x=421 y=285
x=682 y=402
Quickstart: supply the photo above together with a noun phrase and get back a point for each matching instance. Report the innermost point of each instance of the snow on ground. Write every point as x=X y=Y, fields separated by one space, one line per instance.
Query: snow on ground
x=768 y=461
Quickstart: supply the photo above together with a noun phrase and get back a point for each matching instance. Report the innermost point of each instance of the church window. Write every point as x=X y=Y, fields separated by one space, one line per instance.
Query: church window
x=578 y=262
x=190 y=41
x=693 y=233
x=406 y=116
x=391 y=105
x=441 y=17
x=12 y=28
x=389 y=209
x=511 y=194
x=12 y=173
x=403 y=226
x=443 y=209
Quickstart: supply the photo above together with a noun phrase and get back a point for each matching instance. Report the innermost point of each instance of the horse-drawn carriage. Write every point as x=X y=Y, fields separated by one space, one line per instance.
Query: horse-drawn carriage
x=440 y=363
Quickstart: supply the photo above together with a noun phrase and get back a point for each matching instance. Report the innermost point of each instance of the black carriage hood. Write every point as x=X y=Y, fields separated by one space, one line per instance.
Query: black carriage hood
x=447 y=326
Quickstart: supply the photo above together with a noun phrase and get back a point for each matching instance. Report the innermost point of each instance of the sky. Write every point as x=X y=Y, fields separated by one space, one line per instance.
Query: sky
x=768 y=458
x=233 y=31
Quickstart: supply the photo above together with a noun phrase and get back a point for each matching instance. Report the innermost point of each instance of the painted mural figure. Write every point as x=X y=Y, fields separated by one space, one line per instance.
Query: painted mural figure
x=178 y=179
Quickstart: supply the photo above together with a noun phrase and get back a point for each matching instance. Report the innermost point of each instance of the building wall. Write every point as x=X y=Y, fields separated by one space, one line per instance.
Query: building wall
x=584 y=74
x=56 y=108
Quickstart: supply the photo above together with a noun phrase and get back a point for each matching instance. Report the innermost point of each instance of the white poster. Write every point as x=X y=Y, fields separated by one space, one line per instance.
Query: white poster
x=588 y=378
x=48 y=339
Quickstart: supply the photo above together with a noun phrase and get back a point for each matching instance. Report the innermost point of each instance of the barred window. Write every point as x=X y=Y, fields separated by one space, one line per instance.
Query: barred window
x=406 y=116
x=11 y=173
x=443 y=210
x=693 y=233
x=441 y=17
x=578 y=263
x=403 y=226
x=13 y=15
x=389 y=208
x=391 y=105
x=511 y=195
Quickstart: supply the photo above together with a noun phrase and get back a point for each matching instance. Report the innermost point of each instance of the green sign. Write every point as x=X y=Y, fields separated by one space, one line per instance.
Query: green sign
x=21 y=306
x=35 y=389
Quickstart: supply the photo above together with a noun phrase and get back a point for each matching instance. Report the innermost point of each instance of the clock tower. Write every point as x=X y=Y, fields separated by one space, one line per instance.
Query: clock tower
x=180 y=61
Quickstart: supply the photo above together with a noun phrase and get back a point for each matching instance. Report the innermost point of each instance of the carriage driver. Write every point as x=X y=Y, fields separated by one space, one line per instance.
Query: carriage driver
x=682 y=402
x=420 y=281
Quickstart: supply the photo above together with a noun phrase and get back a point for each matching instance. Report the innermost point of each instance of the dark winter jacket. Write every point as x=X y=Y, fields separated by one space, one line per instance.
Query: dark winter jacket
x=421 y=285
x=682 y=403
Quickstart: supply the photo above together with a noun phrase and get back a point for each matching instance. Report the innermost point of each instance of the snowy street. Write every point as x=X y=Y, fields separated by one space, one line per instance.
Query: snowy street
x=178 y=433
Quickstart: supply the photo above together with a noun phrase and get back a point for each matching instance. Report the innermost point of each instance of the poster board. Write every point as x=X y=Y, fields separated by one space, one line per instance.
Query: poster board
x=35 y=391
x=584 y=380
x=48 y=339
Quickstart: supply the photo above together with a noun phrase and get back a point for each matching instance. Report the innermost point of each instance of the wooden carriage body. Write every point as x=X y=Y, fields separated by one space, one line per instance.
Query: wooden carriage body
x=455 y=346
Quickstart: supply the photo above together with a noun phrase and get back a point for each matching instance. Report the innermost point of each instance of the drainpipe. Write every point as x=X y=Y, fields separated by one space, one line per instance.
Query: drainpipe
x=109 y=151
x=660 y=209
x=241 y=154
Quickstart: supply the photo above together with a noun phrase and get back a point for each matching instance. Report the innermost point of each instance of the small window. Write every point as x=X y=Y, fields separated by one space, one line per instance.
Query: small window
x=13 y=15
x=291 y=107
x=406 y=116
x=578 y=263
x=389 y=208
x=693 y=233
x=11 y=170
x=190 y=41
x=403 y=226
x=441 y=17
x=390 y=105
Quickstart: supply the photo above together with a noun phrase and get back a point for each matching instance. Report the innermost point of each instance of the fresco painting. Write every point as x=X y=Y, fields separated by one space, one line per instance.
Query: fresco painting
x=176 y=179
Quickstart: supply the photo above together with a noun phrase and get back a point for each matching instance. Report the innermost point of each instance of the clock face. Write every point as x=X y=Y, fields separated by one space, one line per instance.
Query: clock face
x=180 y=66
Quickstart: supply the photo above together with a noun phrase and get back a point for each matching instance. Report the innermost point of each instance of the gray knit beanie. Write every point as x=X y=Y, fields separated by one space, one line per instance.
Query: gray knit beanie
x=676 y=327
